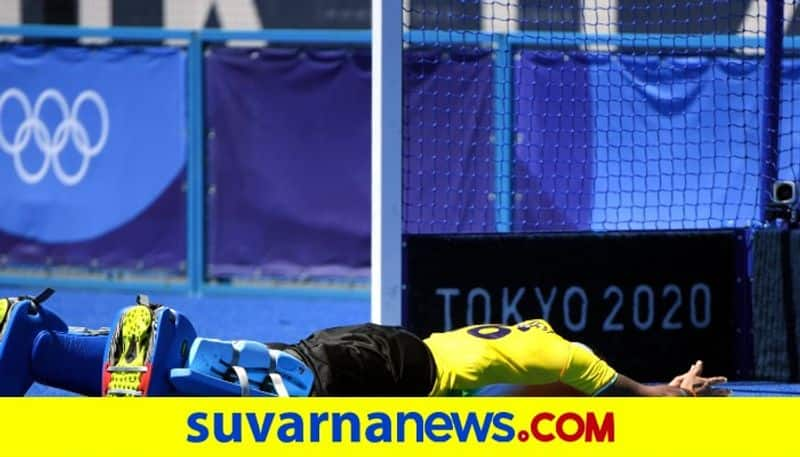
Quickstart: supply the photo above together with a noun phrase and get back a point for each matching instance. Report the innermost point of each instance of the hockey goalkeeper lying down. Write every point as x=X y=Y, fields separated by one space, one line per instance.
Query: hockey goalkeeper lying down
x=153 y=350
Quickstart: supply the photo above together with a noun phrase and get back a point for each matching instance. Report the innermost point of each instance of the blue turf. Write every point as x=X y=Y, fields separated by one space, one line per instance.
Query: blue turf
x=763 y=389
x=261 y=318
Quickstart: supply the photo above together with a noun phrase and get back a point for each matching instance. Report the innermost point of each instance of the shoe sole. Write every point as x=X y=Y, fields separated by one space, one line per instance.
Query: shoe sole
x=5 y=308
x=128 y=371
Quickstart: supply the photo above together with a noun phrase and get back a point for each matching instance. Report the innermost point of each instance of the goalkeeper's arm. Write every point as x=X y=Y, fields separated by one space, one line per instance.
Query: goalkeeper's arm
x=687 y=384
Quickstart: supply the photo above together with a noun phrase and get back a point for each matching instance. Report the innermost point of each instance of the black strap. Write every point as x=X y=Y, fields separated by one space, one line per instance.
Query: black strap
x=43 y=296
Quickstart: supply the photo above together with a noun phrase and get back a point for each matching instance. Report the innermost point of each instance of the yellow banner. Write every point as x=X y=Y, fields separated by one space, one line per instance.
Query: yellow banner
x=195 y=427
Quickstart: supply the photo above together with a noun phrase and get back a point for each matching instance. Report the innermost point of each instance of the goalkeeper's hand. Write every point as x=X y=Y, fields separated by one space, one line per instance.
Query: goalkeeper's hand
x=692 y=384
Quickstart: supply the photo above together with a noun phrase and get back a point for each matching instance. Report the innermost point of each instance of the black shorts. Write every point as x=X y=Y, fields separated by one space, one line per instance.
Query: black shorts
x=366 y=360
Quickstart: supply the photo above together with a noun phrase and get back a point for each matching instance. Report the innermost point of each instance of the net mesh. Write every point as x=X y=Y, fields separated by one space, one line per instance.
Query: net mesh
x=588 y=115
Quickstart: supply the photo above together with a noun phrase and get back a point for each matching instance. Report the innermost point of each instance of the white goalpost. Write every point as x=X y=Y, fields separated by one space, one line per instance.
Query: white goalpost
x=387 y=78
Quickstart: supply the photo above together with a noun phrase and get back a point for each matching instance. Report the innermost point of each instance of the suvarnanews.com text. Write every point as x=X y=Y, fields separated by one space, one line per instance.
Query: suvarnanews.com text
x=398 y=427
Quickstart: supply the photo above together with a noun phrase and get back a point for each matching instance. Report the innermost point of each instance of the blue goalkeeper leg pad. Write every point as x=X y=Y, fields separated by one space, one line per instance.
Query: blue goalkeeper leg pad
x=22 y=320
x=225 y=368
x=146 y=342
x=71 y=361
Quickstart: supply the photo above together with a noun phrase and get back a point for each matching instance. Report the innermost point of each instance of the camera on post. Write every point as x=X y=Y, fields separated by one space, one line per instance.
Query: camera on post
x=782 y=205
x=784 y=193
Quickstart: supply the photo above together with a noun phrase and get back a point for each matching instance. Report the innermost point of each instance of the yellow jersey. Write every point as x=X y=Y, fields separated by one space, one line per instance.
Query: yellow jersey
x=528 y=353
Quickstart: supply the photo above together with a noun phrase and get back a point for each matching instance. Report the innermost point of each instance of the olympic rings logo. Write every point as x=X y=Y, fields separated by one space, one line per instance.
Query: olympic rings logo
x=51 y=144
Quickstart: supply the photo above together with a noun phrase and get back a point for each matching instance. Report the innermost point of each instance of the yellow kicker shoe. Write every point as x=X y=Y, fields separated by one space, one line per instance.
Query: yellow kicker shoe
x=147 y=341
x=128 y=376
